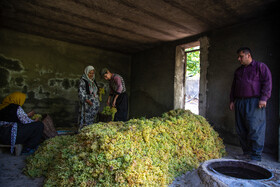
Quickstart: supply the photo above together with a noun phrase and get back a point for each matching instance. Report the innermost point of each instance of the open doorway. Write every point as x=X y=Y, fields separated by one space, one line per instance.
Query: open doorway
x=192 y=79
x=180 y=74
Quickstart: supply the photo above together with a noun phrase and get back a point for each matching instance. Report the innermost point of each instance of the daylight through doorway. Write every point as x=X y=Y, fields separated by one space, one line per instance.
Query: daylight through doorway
x=192 y=79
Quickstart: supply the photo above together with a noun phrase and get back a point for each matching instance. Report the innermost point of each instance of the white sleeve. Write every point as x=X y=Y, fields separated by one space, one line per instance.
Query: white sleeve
x=22 y=116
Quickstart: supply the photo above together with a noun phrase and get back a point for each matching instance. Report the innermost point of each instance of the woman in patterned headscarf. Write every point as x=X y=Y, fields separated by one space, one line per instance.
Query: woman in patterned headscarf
x=15 y=125
x=89 y=102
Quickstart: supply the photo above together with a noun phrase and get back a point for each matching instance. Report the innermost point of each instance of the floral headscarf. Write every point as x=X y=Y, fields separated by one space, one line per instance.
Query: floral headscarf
x=92 y=86
x=14 y=98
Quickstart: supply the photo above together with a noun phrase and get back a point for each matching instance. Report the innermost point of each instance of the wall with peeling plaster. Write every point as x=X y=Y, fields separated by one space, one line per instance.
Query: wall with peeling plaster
x=48 y=71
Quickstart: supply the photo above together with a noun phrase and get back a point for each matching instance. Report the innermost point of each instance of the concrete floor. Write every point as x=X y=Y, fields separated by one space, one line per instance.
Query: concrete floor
x=268 y=161
x=192 y=179
x=11 y=170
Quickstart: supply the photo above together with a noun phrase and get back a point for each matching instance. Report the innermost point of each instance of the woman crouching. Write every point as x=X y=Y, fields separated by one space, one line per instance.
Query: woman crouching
x=15 y=125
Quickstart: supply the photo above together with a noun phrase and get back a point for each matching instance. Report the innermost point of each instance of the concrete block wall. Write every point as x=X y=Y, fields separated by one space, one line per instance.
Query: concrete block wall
x=261 y=36
x=152 y=86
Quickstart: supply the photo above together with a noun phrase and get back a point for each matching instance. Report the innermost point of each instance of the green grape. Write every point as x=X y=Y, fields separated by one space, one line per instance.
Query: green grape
x=139 y=152
x=35 y=116
x=110 y=111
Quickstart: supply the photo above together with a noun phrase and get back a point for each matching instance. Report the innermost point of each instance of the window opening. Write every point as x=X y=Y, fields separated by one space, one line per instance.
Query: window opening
x=192 y=78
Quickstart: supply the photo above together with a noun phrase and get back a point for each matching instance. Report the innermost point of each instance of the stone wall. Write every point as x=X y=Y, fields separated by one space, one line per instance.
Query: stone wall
x=48 y=71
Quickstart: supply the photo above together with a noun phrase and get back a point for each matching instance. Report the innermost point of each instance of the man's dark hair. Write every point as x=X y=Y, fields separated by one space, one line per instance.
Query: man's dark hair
x=244 y=50
x=103 y=71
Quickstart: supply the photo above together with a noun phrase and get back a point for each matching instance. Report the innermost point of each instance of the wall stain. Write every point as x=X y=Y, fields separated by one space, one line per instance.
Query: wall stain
x=31 y=95
x=19 y=81
x=10 y=64
x=4 y=77
x=64 y=83
x=51 y=82
x=50 y=87
x=24 y=89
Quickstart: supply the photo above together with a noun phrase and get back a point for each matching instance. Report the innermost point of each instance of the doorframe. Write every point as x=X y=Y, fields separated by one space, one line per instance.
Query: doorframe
x=179 y=76
x=279 y=125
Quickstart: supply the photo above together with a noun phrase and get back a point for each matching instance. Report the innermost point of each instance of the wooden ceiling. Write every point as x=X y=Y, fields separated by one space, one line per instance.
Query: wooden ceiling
x=126 y=26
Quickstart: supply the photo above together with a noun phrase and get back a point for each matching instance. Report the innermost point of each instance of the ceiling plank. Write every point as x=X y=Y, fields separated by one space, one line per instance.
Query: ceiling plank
x=43 y=20
x=59 y=15
x=166 y=15
x=127 y=26
x=66 y=35
x=101 y=15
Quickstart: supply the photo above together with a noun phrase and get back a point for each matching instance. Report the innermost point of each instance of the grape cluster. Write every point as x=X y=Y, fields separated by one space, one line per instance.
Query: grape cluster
x=139 y=152
x=110 y=111
x=100 y=93
x=35 y=116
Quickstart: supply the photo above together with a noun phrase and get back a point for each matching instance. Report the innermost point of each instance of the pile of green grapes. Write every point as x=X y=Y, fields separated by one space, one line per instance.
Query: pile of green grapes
x=148 y=152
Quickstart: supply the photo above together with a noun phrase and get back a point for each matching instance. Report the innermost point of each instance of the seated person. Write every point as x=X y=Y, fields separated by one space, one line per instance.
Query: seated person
x=15 y=125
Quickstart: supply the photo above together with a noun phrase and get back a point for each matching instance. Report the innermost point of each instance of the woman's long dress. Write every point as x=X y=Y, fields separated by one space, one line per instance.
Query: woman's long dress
x=87 y=113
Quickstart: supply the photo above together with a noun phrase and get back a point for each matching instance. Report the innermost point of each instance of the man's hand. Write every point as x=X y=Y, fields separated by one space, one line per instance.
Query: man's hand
x=262 y=104
x=231 y=106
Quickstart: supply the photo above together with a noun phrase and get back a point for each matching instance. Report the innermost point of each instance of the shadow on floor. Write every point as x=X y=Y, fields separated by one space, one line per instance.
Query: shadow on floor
x=268 y=161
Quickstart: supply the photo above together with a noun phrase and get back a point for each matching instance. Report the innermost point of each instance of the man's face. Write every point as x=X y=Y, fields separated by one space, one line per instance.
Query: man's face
x=107 y=76
x=244 y=58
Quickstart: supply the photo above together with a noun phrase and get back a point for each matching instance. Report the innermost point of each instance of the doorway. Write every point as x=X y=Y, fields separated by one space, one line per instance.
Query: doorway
x=180 y=74
x=192 y=79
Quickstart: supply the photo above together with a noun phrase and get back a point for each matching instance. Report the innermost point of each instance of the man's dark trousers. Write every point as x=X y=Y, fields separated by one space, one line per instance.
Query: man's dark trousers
x=250 y=126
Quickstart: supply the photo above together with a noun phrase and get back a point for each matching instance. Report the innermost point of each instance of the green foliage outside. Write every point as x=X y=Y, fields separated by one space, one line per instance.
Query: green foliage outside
x=193 y=61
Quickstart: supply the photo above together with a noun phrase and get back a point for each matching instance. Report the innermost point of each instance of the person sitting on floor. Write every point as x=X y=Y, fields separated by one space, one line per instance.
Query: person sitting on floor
x=15 y=125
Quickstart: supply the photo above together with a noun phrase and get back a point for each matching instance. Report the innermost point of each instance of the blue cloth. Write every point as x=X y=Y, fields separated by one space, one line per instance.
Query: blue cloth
x=13 y=133
x=23 y=118
x=250 y=126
